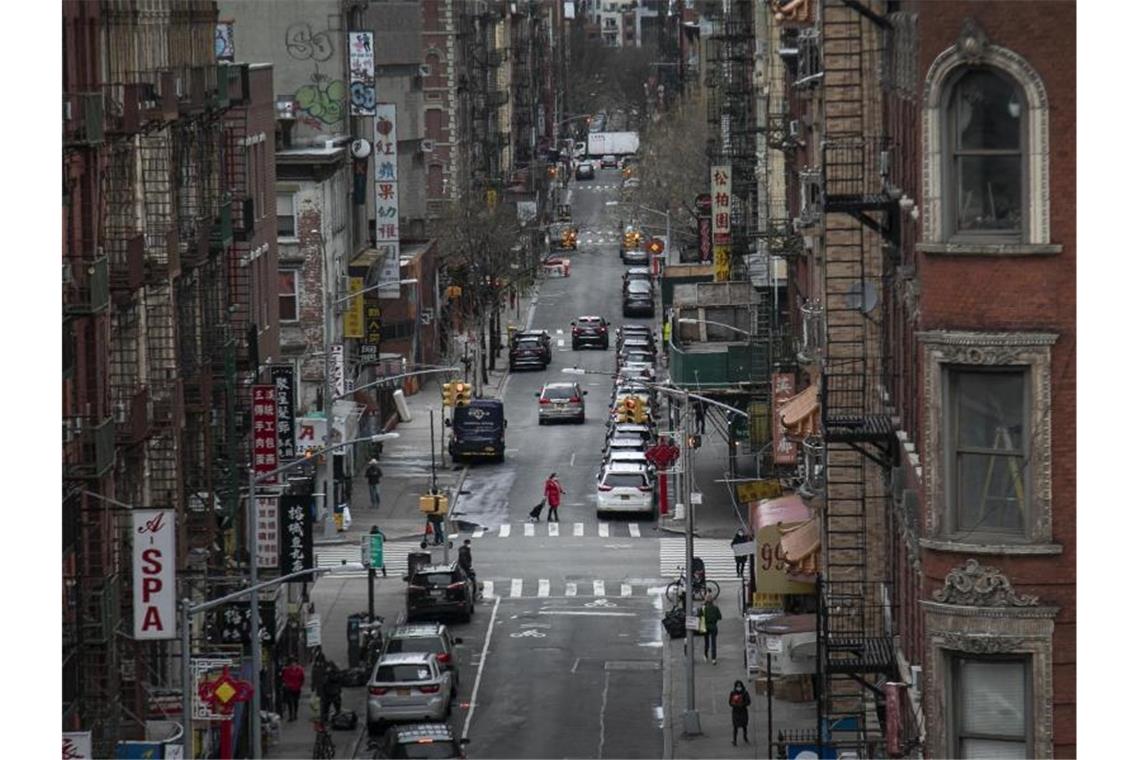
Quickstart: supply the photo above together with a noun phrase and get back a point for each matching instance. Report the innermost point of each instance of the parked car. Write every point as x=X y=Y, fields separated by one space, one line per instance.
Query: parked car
x=624 y=456
x=589 y=330
x=636 y=343
x=527 y=352
x=409 y=686
x=433 y=638
x=561 y=401
x=637 y=299
x=443 y=589
x=632 y=331
x=585 y=170
x=636 y=255
x=421 y=740
x=637 y=371
x=623 y=443
x=625 y=488
x=642 y=430
x=609 y=161
x=637 y=273
x=542 y=335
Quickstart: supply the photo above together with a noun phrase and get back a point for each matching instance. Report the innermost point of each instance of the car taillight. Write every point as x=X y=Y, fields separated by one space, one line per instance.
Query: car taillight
x=604 y=487
x=377 y=691
x=602 y=328
x=574 y=399
x=430 y=688
x=544 y=401
x=645 y=488
x=443 y=658
x=455 y=586
x=417 y=589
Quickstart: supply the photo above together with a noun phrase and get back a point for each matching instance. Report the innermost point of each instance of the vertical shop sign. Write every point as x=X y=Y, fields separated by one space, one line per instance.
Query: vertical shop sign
x=265 y=440
x=282 y=375
x=153 y=565
x=267 y=525
x=387 y=196
x=370 y=348
x=354 y=317
x=296 y=536
x=783 y=448
x=336 y=362
x=361 y=74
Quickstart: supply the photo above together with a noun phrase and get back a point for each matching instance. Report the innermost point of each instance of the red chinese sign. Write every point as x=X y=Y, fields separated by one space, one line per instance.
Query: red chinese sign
x=264 y=431
x=784 y=449
x=721 y=191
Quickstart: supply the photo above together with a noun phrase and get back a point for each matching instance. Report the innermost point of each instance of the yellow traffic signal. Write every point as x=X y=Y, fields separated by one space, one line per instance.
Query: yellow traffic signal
x=639 y=415
x=462 y=394
x=447 y=390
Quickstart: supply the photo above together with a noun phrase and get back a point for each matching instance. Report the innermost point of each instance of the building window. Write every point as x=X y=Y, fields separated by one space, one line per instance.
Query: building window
x=986 y=153
x=987 y=474
x=288 y=295
x=286 y=216
x=990 y=706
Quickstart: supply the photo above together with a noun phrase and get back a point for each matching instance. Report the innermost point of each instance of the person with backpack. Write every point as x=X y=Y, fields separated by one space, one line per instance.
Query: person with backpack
x=710 y=617
x=553 y=492
x=373 y=475
x=330 y=690
x=739 y=700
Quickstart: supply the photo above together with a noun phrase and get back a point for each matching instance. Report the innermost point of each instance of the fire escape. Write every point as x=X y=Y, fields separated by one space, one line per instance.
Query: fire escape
x=859 y=213
x=487 y=170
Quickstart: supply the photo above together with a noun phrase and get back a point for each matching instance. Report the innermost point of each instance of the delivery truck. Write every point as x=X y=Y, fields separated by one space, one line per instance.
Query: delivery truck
x=615 y=143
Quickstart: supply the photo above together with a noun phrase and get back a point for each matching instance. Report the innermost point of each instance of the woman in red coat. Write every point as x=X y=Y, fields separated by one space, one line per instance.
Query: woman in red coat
x=553 y=491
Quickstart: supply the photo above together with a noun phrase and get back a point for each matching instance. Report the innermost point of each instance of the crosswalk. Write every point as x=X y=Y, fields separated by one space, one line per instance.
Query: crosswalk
x=545 y=588
x=557 y=530
x=720 y=562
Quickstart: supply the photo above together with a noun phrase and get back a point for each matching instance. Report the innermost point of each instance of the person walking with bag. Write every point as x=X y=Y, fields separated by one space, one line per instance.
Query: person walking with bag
x=292 y=679
x=553 y=491
x=373 y=475
x=741 y=559
x=739 y=700
x=710 y=617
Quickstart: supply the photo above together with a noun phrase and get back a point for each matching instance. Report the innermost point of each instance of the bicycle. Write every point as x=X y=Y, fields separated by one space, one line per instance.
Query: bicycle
x=323 y=746
x=704 y=590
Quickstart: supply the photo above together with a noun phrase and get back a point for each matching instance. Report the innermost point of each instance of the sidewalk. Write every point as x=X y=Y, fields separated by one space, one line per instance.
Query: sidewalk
x=712 y=685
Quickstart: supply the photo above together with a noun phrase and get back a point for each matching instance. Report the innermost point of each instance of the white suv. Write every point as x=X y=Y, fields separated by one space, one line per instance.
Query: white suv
x=406 y=687
x=625 y=488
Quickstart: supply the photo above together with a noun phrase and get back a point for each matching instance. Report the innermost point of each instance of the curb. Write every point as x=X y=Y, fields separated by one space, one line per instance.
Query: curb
x=679 y=531
x=667 y=698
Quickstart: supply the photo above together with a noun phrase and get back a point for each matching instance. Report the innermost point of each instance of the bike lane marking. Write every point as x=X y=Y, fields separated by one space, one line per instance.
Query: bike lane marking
x=473 y=703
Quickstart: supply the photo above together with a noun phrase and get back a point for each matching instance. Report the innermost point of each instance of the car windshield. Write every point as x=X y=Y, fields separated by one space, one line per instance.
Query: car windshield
x=559 y=391
x=402 y=673
x=528 y=343
x=429 y=644
x=624 y=479
x=638 y=356
x=428 y=749
x=433 y=579
x=638 y=286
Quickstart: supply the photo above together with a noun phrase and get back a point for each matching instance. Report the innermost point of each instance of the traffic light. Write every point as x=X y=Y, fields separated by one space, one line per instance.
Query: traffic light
x=447 y=390
x=627 y=409
x=462 y=394
x=639 y=415
x=694 y=441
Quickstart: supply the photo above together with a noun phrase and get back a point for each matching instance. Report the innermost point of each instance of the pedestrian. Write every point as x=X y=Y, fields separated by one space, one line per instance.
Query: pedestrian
x=435 y=522
x=739 y=700
x=292 y=679
x=711 y=616
x=465 y=559
x=741 y=559
x=553 y=491
x=699 y=410
x=330 y=691
x=373 y=475
x=320 y=664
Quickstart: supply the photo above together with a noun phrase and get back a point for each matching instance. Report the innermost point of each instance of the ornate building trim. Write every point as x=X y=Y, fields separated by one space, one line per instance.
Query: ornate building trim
x=973 y=48
x=980 y=586
x=1032 y=350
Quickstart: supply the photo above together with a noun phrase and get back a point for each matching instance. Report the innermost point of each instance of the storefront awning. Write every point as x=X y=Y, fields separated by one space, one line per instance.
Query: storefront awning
x=801 y=541
x=364 y=398
x=789 y=509
x=800 y=413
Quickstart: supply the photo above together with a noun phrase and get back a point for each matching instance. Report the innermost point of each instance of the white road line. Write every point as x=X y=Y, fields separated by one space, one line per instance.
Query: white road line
x=626 y=589
x=571 y=589
x=543 y=587
x=594 y=613
x=479 y=673
x=528 y=529
x=504 y=531
x=572 y=455
x=552 y=529
x=599 y=588
x=604 y=530
x=488 y=589
x=516 y=586
x=602 y=715
x=634 y=530
x=556 y=332
x=579 y=529
x=561 y=343
x=478 y=532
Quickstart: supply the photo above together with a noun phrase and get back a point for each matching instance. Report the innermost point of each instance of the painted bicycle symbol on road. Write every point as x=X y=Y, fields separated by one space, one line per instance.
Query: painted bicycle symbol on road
x=601 y=603
x=529 y=633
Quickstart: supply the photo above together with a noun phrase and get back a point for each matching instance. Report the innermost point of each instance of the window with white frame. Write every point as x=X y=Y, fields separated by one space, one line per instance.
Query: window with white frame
x=987 y=450
x=986 y=154
x=286 y=216
x=990 y=707
x=288 y=295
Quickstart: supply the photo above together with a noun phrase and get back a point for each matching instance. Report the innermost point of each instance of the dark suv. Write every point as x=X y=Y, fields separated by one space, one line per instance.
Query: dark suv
x=542 y=336
x=527 y=352
x=590 y=330
x=440 y=590
x=420 y=740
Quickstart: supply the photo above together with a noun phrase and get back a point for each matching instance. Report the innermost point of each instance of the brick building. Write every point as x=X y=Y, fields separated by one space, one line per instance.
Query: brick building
x=921 y=164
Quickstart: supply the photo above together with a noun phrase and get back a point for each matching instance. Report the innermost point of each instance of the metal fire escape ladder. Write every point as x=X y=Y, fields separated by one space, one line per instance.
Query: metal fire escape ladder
x=855 y=637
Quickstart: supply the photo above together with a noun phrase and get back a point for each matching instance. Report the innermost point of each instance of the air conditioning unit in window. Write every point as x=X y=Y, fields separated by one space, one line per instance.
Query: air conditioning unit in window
x=427 y=146
x=916 y=681
x=425 y=70
x=794 y=128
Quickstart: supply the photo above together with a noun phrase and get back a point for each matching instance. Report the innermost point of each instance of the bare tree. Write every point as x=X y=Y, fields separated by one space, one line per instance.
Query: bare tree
x=673 y=167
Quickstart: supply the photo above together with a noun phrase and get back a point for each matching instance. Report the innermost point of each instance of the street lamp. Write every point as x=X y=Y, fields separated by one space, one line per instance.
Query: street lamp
x=691 y=718
x=254 y=609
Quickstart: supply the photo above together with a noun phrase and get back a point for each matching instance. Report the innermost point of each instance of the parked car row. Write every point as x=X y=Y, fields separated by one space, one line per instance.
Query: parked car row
x=530 y=349
x=625 y=482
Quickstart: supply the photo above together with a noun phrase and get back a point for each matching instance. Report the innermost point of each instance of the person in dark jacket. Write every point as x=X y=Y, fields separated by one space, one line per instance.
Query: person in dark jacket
x=712 y=617
x=330 y=691
x=373 y=474
x=739 y=700
x=741 y=559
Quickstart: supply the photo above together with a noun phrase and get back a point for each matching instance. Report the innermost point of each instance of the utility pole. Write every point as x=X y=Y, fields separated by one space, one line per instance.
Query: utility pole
x=691 y=718
x=254 y=616
x=330 y=392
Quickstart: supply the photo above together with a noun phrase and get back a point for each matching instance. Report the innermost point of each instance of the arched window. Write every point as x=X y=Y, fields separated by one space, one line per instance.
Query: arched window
x=985 y=130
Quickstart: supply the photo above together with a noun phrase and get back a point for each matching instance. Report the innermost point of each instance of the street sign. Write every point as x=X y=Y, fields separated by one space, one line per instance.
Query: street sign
x=372 y=550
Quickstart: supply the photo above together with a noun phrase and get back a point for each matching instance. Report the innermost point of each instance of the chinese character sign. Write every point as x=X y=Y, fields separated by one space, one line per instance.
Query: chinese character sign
x=722 y=263
x=153 y=566
x=336 y=363
x=721 y=190
x=370 y=348
x=387 y=196
x=388 y=270
x=783 y=448
x=354 y=316
x=296 y=535
x=265 y=440
x=385 y=143
x=282 y=375
x=361 y=74
x=267 y=524
x=232 y=622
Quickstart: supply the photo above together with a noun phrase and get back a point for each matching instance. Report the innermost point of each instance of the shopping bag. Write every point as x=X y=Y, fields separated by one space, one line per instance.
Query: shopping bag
x=347 y=517
x=701 y=627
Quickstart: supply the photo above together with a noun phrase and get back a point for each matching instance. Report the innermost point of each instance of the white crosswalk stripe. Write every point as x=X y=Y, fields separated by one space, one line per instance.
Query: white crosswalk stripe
x=528 y=530
x=544 y=587
x=599 y=588
x=488 y=589
x=516 y=587
x=634 y=530
x=603 y=530
x=479 y=532
x=579 y=529
x=552 y=529
x=504 y=531
x=626 y=589
x=720 y=563
x=571 y=589
x=395 y=556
